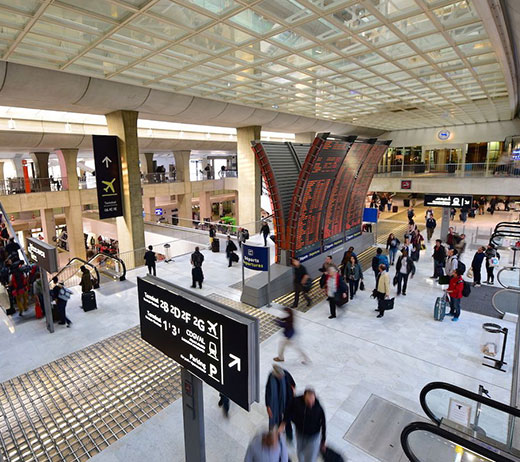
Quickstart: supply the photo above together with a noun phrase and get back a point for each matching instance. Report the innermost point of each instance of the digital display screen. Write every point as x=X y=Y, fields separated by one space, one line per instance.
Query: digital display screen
x=338 y=200
x=317 y=190
x=356 y=202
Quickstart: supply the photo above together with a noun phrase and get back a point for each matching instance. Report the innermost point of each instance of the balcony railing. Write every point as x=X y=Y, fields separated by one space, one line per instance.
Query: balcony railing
x=450 y=169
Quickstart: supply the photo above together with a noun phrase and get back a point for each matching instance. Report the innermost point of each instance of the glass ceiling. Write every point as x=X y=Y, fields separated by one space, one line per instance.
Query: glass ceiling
x=388 y=64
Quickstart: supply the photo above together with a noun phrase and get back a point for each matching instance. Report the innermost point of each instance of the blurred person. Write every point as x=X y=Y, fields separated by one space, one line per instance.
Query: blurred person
x=287 y=325
x=267 y=447
x=460 y=246
x=265 y=231
x=230 y=251
x=336 y=290
x=301 y=281
x=279 y=393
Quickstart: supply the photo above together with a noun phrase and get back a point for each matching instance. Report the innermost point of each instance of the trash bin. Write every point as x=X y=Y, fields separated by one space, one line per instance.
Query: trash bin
x=491 y=340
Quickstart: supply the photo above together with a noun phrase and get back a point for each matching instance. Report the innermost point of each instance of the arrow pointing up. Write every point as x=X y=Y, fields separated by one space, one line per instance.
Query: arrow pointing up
x=236 y=361
x=106 y=160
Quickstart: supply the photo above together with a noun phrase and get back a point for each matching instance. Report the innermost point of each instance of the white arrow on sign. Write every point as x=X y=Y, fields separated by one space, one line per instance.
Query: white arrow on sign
x=236 y=361
x=106 y=160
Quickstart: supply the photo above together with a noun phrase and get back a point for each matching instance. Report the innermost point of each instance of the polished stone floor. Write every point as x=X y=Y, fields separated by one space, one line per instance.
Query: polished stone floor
x=353 y=357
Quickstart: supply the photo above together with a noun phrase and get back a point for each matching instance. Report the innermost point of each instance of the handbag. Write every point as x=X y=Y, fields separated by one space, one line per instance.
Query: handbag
x=387 y=304
x=470 y=273
x=395 y=281
x=361 y=285
x=493 y=261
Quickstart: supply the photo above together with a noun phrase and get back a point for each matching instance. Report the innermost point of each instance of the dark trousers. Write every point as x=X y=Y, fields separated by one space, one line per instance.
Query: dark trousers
x=353 y=285
x=265 y=238
x=429 y=233
x=455 y=307
x=490 y=273
x=380 y=298
x=402 y=282
x=151 y=269
x=438 y=268
x=477 y=275
x=196 y=276
x=297 y=289
x=332 y=306
x=376 y=273
x=62 y=305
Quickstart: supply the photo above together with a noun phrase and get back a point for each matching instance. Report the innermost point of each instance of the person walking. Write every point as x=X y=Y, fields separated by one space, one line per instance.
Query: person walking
x=455 y=292
x=392 y=245
x=476 y=265
x=353 y=274
x=404 y=267
x=325 y=267
x=493 y=204
x=431 y=224
x=230 y=251
x=61 y=295
x=410 y=214
x=439 y=259
x=429 y=213
x=336 y=290
x=308 y=417
x=452 y=262
x=300 y=279
x=150 y=258
x=492 y=257
x=287 y=325
x=19 y=288
x=265 y=231
x=382 y=289
x=377 y=260
x=460 y=245
x=267 y=447
x=417 y=242
x=242 y=236
x=197 y=276
x=389 y=203
x=279 y=393
x=481 y=205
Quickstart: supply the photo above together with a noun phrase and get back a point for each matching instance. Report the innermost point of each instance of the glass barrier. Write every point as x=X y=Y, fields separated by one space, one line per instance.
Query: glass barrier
x=424 y=442
x=509 y=277
x=109 y=265
x=461 y=170
x=506 y=301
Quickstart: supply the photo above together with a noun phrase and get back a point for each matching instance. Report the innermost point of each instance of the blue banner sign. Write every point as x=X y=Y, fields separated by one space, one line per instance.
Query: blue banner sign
x=255 y=258
x=370 y=215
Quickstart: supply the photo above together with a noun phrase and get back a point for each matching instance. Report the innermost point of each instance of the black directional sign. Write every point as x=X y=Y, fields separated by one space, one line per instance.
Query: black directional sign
x=108 y=176
x=214 y=342
x=43 y=254
x=448 y=200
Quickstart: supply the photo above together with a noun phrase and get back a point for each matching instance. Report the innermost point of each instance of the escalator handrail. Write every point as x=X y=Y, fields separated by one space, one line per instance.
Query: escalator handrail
x=505 y=289
x=466 y=394
x=123 y=276
x=508 y=268
x=447 y=435
x=86 y=263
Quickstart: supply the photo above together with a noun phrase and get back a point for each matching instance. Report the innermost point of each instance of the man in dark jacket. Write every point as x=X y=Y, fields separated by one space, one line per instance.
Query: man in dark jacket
x=86 y=280
x=439 y=259
x=196 y=272
x=279 y=393
x=12 y=249
x=300 y=278
x=265 y=231
x=403 y=268
x=230 y=249
x=430 y=227
x=476 y=265
x=150 y=259
x=309 y=419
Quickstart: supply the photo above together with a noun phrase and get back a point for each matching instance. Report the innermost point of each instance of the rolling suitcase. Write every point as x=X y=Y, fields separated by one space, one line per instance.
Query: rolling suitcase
x=215 y=245
x=88 y=301
x=395 y=209
x=439 y=310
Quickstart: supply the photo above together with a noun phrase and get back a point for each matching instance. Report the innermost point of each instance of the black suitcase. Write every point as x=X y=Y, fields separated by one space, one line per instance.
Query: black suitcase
x=215 y=245
x=234 y=257
x=329 y=455
x=88 y=301
x=55 y=314
x=406 y=202
x=395 y=209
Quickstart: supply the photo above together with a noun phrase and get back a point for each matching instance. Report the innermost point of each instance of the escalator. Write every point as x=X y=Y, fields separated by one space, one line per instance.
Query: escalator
x=12 y=233
x=465 y=426
x=103 y=269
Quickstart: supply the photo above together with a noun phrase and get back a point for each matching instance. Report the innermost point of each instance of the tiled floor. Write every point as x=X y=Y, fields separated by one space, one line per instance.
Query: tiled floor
x=353 y=357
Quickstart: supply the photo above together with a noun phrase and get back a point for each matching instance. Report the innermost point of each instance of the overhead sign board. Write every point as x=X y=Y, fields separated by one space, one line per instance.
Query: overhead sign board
x=214 y=342
x=255 y=257
x=43 y=254
x=406 y=184
x=447 y=200
x=444 y=135
x=108 y=176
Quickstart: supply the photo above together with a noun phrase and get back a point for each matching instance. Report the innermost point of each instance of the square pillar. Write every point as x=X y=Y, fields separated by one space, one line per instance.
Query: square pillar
x=75 y=237
x=41 y=163
x=48 y=225
x=249 y=180
x=205 y=205
x=68 y=159
x=182 y=165
x=185 y=211
x=149 y=206
x=130 y=227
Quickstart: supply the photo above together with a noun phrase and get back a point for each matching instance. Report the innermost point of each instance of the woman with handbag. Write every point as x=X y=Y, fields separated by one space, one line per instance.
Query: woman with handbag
x=336 y=290
x=353 y=274
x=492 y=260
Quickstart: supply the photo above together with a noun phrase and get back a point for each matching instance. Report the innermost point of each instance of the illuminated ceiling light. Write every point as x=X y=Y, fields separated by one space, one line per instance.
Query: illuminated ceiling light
x=208 y=135
x=149 y=133
x=68 y=127
x=229 y=84
x=275 y=106
x=231 y=136
x=181 y=134
x=11 y=124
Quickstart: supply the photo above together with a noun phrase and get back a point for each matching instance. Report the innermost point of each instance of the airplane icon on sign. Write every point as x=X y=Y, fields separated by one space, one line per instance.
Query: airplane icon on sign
x=109 y=186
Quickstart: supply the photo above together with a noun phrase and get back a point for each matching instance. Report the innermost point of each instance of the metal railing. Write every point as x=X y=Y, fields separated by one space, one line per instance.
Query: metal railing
x=18 y=185
x=450 y=169
x=70 y=275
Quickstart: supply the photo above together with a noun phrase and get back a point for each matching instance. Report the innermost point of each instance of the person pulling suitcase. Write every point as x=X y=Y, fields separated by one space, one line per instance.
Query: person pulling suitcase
x=88 y=297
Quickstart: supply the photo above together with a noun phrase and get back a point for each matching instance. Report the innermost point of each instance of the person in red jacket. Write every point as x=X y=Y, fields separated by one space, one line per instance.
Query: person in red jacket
x=455 y=292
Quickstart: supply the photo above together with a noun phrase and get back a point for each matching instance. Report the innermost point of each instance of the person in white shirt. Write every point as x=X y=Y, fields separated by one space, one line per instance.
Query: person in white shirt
x=453 y=262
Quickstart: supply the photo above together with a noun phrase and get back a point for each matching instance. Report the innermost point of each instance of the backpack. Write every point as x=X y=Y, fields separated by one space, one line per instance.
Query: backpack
x=461 y=267
x=64 y=294
x=466 y=290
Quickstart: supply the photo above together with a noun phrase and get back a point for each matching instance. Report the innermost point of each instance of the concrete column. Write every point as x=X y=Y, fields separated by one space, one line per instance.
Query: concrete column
x=205 y=205
x=185 y=211
x=445 y=223
x=463 y=159
x=249 y=181
x=17 y=161
x=48 y=225
x=130 y=227
x=182 y=165
x=41 y=164
x=148 y=157
x=487 y=159
x=149 y=206
x=75 y=238
x=68 y=159
x=305 y=137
